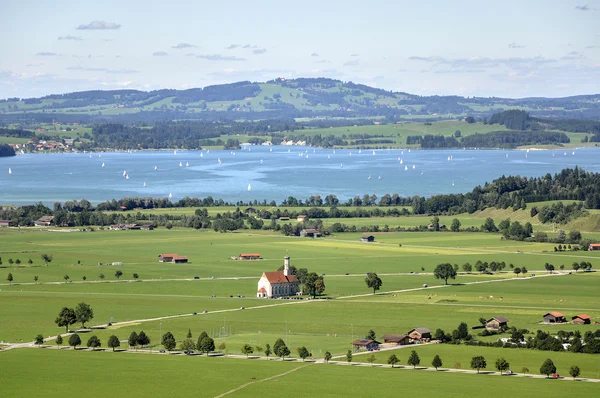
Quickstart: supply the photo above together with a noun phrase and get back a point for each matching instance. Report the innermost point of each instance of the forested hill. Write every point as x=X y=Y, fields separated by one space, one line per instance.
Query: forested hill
x=279 y=98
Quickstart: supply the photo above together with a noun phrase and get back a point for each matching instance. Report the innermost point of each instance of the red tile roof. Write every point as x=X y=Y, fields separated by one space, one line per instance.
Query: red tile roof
x=262 y=290
x=595 y=244
x=279 y=277
x=556 y=314
x=583 y=316
x=250 y=255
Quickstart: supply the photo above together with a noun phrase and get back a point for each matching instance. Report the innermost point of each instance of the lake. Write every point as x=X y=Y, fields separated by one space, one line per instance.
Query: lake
x=271 y=173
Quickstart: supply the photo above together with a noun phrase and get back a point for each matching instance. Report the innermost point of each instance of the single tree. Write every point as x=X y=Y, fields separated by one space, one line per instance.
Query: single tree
x=524 y=370
x=133 y=339
x=413 y=359
x=84 y=313
x=327 y=356
x=548 y=368
x=247 y=349
x=524 y=271
x=455 y=227
x=207 y=345
x=517 y=270
x=222 y=347
x=373 y=281
x=258 y=348
x=113 y=342
x=303 y=353
x=66 y=317
x=84 y=278
x=11 y=261
x=142 y=339
x=349 y=356
x=66 y=278
x=502 y=365
x=47 y=258
x=59 y=340
x=18 y=262
x=478 y=363
x=370 y=335
x=187 y=345
x=574 y=371
x=189 y=334
x=101 y=276
x=168 y=341
x=29 y=262
x=39 y=340
x=118 y=274
x=36 y=278
x=9 y=278
x=393 y=360
x=93 y=342
x=135 y=276
x=437 y=362
x=268 y=350
x=74 y=340
x=444 y=271
x=371 y=359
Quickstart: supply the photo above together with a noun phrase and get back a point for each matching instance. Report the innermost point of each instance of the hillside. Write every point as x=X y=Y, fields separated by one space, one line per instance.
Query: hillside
x=280 y=98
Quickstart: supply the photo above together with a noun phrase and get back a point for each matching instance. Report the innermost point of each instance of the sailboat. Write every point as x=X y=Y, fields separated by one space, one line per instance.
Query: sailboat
x=373 y=152
x=288 y=150
x=306 y=156
x=175 y=152
x=124 y=173
x=261 y=161
x=144 y=184
x=270 y=149
x=342 y=166
x=334 y=151
x=379 y=178
x=414 y=167
x=180 y=164
x=452 y=182
x=102 y=164
x=350 y=154
x=170 y=195
x=448 y=157
x=201 y=155
x=328 y=156
x=155 y=168
x=573 y=153
x=507 y=155
x=369 y=177
x=207 y=151
x=409 y=151
x=127 y=177
x=187 y=164
x=219 y=160
x=405 y=168
x=9 y=171
x=249 y=187
x=401 y=161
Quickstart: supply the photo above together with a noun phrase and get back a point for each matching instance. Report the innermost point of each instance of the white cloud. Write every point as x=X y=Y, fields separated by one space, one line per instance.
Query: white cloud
x=219 y=57
x=47 y=54
x=259 y=51
x=515 y=45
x=160 y=54
x=70 y=37
x=99 y=25
x=183 y=45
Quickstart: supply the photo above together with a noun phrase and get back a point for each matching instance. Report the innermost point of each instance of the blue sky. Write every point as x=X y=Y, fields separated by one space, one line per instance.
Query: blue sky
x=471 y=48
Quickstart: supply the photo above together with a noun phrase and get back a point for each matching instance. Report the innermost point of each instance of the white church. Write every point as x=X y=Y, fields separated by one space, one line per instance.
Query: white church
x=278 y=283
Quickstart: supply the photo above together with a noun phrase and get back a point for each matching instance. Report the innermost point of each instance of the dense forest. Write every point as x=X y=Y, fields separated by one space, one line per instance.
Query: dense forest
x=495 y=139
x=6 y=150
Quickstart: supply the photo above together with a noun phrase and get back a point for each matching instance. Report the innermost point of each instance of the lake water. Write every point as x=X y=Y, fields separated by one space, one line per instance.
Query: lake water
x=272 y=175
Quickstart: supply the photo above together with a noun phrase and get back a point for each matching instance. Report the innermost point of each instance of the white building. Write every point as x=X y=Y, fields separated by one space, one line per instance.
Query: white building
x=278 y=283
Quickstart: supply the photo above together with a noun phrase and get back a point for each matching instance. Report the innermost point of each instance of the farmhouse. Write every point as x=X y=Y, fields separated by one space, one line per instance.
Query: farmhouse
x=496 y=323
x=250 y=210
x=369 y=238
x=554 y=317
x=368 y=345
x=310 y=233
x=419 y=335
x=398 y=339
x=247 y=256
x=594 y=246
x=581 y=319
x=7 y=223
x=172 y=258
x=44 y=221
x=278 y=283
x=302 y=218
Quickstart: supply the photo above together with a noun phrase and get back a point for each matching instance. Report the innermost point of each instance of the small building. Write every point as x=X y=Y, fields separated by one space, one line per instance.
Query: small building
x=554 y=317
x=398 y=339
x=310 y=233
x=123 y=208
x=44 y=221
x=581 y=319
x=248 y=256
x=419 y=335
x=368 y=345
x=278 y=283
x=250 y=210
x=284 y=219
x=594 y=246
x=172 y=258
x=302 y=218
x=147 y=227
x=369 y=238
x=496 y=323
x=7 y=223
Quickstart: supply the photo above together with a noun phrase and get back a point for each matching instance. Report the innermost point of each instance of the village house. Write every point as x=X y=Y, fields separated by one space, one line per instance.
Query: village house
x=278 y=283
x=554 y=317
x=302 y=218
x=419 y=335
x=172 y=258
x=147 y=227
x=7 y=223
x=368 y=345
x=44 y=221
x=496 y=323
x=594 y=246
x=398 y=339
x=247 y=256
x=250 y=210
x=369 y=238
x=581 y=319
x=310 y=233
x=124 y=227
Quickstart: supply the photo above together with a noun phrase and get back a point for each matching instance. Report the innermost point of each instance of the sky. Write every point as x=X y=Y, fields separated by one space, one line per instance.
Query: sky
x=470 y=48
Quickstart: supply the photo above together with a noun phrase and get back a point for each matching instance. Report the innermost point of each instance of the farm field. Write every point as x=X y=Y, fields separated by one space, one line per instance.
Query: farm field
x=213 y=377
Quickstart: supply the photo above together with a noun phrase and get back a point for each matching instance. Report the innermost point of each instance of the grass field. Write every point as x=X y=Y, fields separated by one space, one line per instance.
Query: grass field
x=166 y=290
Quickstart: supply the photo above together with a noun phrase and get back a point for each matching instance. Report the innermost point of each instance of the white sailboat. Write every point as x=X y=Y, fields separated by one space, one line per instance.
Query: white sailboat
x=328 y=156
x=249 y=187
x=409 y=151
x=187 y=164
x=350 y=154
x=573 y=153
x=401 y=161
x=124 y=173
x=507 y=155
x=9 y=171
x=155 y=168
x=261 y=161
x=452 y=182
x=306 y=156
x=144 y=184
x=405 y=168
x=127 y=177
x=201 y=155
x=180 y=164
x=379 y=178
x=102 y=164
x=270 y=149
x=175 y=152
x=342 y=166
x=414 y=167
x=334 y=151
x=373 y=152
x=219 y=160
x=170 y=195
x=207 y=151
x=369 y=177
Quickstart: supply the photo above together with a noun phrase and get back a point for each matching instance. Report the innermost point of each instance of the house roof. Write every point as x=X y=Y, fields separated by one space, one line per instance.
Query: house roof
x=500 y=319
x=168 y=255
x=582 y=316
x=279 y=277
x=250 y=255
x=555 y=314
x=46 y=218
x=394 y=337
x=311 y=231
x=262 y=290
x=421 y=330
x=364 y=342
x=5 y=221
x=594 y=244
x=302 y=216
